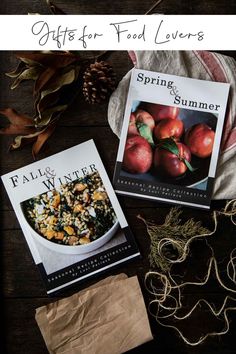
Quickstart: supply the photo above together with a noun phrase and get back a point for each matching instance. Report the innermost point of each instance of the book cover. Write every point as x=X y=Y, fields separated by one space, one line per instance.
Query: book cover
x=70 y=216
x=170 y=138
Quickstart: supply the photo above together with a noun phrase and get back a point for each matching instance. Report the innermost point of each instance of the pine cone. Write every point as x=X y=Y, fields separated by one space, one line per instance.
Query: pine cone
x=99 y=82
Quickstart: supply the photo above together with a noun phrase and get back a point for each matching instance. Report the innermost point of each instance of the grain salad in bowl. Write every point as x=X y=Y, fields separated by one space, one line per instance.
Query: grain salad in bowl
x=76 y=218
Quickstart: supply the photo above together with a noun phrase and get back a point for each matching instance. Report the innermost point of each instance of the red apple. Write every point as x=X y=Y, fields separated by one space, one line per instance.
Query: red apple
x=137 y=155
x=170 y=164
x=145 y=118
x=132 y=129
x=168 y=128
x=200 y=139
x=160 y=111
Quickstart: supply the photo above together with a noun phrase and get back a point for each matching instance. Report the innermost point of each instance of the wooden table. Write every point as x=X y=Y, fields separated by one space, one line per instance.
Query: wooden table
x=23 y=290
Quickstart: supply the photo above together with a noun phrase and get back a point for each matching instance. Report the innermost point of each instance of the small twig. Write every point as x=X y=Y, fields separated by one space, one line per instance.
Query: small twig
x=153 y=7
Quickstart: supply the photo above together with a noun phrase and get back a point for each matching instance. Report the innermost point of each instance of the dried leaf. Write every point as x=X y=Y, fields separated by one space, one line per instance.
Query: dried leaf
x=16 y=118
x=56 y=96
x=53 y=88
x=53 y=59
x=18 y=140
x=28 y=74
x=55 y=9
x=45 y=118
x=28 y=62
x=24 y=141
x=46 y=102
x=20 y=123
x=17 y=71
x=42 y=138
x=16 y=129
x=42 y=80
x=56 y=83
x=55 y=75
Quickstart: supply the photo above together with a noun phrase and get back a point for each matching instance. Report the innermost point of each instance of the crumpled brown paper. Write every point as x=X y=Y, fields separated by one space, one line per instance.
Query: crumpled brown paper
x=108 y=318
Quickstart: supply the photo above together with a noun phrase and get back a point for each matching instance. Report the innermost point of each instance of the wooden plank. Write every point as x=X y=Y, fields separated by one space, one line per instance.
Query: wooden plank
x=13 y=8
x=21 y=276
x=85 y=7
x=19 y=267
x=21 y=333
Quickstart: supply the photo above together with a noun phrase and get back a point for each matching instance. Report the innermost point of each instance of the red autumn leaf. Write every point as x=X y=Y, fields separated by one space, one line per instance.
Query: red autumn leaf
x=15 y=118
x=19 y=123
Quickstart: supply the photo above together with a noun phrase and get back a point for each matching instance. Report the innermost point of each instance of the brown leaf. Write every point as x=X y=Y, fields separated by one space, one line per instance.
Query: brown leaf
x=53 y=86
x=16 y=129
x=42 y=80
x=24 y=141
x=57 y=82
x=30 y=62
x=20 y=123
x=18 y=70
x=46 y=116
x=42 y=138
x=56 y=74
x=53 y=59
x=46 y=102
x=20 y=140
x=28 y=74
x=16 y=118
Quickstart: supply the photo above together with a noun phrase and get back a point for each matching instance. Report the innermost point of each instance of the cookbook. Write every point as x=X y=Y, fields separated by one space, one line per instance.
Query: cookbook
x=70 y=216
x=170 y=138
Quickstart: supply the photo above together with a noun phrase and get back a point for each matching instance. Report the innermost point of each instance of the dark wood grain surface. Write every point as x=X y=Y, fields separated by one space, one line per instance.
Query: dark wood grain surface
x=22 y=288
x=85 y=7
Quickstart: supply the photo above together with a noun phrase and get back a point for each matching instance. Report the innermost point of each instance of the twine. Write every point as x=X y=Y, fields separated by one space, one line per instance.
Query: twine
x=167 y=285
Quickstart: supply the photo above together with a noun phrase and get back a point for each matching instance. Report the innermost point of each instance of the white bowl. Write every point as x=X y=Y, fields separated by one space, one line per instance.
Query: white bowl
x=78 y=249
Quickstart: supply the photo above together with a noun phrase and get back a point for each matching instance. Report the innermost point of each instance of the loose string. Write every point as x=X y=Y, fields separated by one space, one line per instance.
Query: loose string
x=169 y=290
